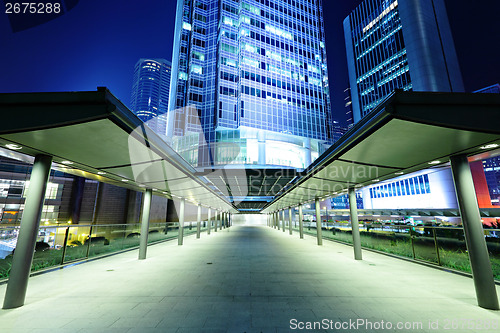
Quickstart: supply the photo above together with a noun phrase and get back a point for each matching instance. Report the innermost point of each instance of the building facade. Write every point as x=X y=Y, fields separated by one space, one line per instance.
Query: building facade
x=250 y=83
x=348 y=108
x=150 y=92
x=399 y=44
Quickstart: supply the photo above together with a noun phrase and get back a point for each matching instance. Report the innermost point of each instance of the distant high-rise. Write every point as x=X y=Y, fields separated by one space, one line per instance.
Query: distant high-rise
x=250 y=83
x=150 y=92
x=399 y=44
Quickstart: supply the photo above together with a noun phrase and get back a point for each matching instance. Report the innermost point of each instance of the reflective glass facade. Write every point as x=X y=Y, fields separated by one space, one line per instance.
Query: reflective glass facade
x=398 y=44
x=150 y=92
x=251 y=82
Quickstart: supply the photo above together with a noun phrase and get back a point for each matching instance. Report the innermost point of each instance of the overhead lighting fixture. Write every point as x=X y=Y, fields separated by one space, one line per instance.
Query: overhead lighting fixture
x=490 y=146
x=124 y=180
x=376 y=180
x=434 y=162
x=140 y=185
x=101 y=173
x=67 y=162
x=399 y=173
x=13 y=146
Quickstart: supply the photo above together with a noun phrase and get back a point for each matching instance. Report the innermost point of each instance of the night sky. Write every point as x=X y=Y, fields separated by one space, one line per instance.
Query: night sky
x=98 y=42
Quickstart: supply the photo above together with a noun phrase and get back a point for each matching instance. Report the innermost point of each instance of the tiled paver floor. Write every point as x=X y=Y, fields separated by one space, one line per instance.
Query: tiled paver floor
x=247 y=279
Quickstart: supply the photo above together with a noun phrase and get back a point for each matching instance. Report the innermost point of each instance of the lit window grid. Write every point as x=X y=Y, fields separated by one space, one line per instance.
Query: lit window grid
x=367 y=52
x=318 y=125
x=290 y=120
x=409 y=186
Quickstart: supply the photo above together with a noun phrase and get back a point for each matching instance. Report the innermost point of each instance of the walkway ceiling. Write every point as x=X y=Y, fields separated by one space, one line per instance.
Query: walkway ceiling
x=250 y=189
x=92 y=134
x=410 y=131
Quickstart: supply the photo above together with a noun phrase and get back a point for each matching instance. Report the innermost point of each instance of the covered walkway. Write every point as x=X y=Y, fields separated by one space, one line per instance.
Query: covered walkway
x=247 y=279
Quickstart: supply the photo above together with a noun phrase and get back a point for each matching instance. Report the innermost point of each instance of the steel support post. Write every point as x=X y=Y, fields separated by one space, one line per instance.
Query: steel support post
x=146 y=209
x=26 y=241
x=319 y=236
x=474 y=234
x=180 y=236
x=301 y=222
x=198 y=223
x=353 y=210
x=209 y=222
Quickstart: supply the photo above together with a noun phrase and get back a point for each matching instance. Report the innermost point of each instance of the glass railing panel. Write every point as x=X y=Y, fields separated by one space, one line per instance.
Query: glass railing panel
x=493 y=243
x=392 y=239
x=310 y=228
x=110 y=238
x=131 y=236
x=48 y=248
x=339 y=232
x=423 y=243
x=8 y=240
x=162 y=231
x=76 y=248
x=190 y=228
x=452 y=248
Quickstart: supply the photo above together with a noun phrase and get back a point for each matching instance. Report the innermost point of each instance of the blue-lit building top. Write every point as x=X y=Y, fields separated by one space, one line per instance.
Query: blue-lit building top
x=150 y=92
x=398 y=44
x=250 y=83
x=493 y=89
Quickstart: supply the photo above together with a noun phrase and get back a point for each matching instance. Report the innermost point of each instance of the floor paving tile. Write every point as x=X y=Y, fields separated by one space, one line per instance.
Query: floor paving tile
x=259 y=280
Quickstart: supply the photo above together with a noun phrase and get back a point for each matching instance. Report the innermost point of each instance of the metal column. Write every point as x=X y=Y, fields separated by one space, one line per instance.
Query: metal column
x=301 y=222
x=283 y=219
x=278 y=219
x=319 y=236
x=353 y=209
x=146 y=209
x=290 y=220
x=216 y=220
x=474 y=235
x=209 y=222
x=180 y=236
x=198 y=224
x=26 y=241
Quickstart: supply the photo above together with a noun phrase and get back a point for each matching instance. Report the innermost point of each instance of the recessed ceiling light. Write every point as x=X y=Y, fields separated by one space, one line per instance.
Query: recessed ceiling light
x=125 y=180
x=101 y=173
x=434 y=162
x=399 y=173
x=140 y=185
x=490 y=146
x=376 y=180
x=13 y=146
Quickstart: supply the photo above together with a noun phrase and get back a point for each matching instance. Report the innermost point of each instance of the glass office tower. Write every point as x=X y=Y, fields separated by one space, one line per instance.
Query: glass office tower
x=150 y=92
x=250 y=83
x=399 y=44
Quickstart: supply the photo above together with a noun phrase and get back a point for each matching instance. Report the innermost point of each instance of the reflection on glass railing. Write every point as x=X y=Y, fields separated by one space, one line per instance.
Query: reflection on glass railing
x=63 y=244
x=443 y=246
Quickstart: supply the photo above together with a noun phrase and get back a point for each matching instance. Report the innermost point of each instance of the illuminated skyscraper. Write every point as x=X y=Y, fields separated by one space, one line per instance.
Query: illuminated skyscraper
x=150 y=92
x=399 y=44
x=250 y=83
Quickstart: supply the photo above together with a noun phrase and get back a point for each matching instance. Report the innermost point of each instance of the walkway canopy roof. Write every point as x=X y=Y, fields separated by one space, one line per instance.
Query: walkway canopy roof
x=92 y=134
x=410 y=131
